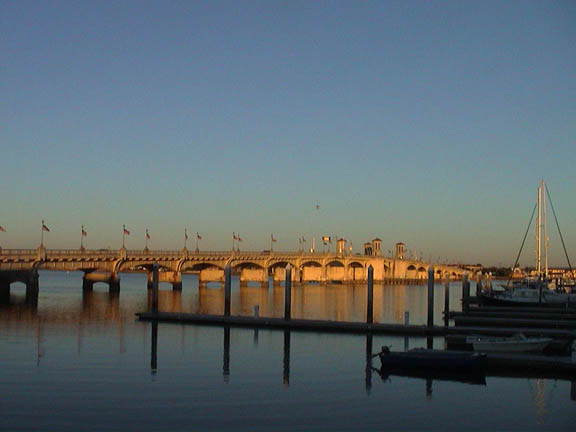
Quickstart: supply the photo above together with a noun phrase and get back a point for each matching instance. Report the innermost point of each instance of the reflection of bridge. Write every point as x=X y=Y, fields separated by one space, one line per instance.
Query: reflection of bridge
x=22 y=265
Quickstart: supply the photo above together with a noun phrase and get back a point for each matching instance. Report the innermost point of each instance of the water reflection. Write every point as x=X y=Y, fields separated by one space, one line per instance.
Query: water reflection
x=286 y=359
x=226 y=355
x=63 y=309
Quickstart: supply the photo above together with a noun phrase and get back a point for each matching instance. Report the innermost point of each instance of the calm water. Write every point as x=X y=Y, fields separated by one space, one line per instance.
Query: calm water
x=82 y=362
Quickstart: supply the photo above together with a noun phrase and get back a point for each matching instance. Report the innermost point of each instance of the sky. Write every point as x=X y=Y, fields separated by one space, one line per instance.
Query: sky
x=426 y=122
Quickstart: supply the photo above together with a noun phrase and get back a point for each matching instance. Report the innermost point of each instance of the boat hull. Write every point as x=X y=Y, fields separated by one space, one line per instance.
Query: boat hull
x=432 y=359
x=518 y=347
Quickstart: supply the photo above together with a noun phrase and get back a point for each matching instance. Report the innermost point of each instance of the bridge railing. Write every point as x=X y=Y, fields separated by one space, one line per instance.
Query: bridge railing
x=163 y=253
x=18 y=252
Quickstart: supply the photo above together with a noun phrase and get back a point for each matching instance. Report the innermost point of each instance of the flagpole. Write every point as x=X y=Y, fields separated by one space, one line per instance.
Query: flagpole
x=42 y=234
x=123 y=235
x=233 y=238
x=185 y=238
x=146 y=244
x=197 y=250
x=82 y=238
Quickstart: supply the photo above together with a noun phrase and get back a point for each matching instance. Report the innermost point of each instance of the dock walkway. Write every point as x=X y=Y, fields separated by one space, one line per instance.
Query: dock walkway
x=344 y=326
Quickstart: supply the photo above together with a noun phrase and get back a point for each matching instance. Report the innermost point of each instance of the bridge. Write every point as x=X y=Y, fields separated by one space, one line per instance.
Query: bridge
x=22 y=265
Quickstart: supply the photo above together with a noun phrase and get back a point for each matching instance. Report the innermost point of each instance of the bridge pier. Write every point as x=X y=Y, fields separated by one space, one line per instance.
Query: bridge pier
x=173 y=277
x=4 y=291
x=90 y=278
x=28 y=277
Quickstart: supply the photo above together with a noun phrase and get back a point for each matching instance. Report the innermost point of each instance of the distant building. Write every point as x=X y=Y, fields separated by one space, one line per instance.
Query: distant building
x=400 y=250
x=341 y=246
x=368 y=249
x=377 y=247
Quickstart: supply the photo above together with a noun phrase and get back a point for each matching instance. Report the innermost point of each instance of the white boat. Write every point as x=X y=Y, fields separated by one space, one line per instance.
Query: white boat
x=530 y=297
x=516 y=343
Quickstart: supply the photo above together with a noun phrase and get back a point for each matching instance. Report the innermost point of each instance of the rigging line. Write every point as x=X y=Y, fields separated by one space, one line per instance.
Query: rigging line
x=558 y=226
x=522 y=246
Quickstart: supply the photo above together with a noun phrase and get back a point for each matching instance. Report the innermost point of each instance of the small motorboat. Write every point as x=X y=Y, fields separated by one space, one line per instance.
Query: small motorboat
x=474 y=376
x=431 y=359
x=515 y=343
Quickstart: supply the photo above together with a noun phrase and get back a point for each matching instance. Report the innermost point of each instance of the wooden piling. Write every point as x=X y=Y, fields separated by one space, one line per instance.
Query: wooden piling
x=430 y=321
x=465 y=293
x=370 y=296
x=447 y=301
x=155 y=269
x=227 y=288
x=288 y=293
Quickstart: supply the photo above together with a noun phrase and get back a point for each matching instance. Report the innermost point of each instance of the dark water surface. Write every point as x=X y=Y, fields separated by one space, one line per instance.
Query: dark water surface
x=82 y=362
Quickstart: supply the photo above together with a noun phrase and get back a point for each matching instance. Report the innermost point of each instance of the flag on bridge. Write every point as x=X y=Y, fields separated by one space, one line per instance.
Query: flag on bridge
x=126 y=232
x=44 y=227
x=84 y=233
x=2 y=228
x=147 y=235
x=198 y=236
x=185 y=234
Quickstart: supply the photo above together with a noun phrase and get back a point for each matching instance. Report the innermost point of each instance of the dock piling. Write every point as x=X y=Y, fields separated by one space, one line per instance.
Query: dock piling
x=465 y=293
x=227 y=288
x=370 y=296
x=430 y=321
x=288 y=293
x=447 y=300
x=155 y=269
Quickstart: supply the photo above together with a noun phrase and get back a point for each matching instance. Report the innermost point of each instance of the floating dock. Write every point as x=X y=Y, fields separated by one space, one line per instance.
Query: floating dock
x=344 y=326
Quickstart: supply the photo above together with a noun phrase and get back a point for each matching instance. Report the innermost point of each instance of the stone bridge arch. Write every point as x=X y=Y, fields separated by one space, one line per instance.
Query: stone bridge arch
x=335 y=271
x=250 y=271
x=422 y=273
x=311 y=271
x=356 y=271
x=278 y=270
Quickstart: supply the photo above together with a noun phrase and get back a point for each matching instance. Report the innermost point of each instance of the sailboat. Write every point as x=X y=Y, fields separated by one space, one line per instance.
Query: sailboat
x=536 y=289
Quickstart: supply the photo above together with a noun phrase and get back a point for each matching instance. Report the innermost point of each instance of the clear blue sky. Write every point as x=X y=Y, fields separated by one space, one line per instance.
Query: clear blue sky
x=424 y=122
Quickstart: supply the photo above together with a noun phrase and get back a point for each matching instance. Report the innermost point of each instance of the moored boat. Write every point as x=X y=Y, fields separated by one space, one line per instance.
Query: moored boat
x=431 y=359
x=475 y=376
x=529 y=297
x=516 y=343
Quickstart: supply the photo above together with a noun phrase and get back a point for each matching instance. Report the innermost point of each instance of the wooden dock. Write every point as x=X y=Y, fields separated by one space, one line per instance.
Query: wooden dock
x=344 y=326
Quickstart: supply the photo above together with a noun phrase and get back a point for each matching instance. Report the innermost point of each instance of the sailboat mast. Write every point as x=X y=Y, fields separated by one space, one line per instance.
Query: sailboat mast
x=544 y=231
x=539 y=232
